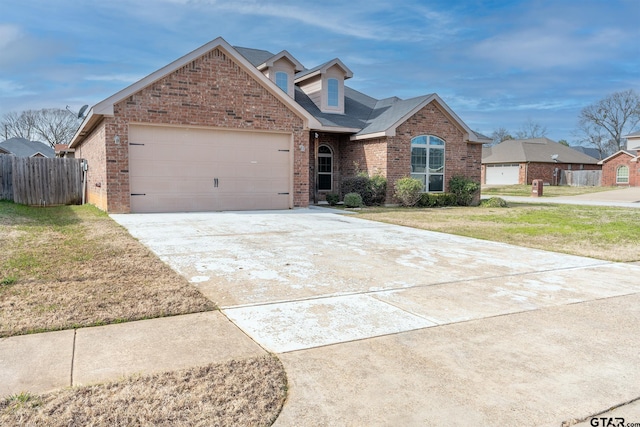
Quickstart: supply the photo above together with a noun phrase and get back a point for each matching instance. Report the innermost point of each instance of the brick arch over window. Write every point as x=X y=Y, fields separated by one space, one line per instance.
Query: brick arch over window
x=427 y=162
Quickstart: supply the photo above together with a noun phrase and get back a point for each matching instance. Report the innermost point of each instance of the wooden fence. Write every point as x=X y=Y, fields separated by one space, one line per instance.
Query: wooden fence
x=38 y=181
x=581 y=178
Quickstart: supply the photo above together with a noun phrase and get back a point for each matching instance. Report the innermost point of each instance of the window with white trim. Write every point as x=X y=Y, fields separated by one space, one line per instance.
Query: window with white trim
x=332 y=93
x=282 y=80
x=325 y=168
x=427 y=162
x=622 y=175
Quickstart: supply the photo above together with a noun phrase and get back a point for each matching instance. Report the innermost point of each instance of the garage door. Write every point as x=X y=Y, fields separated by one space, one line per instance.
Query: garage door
x=190 y=169
x=502 y=174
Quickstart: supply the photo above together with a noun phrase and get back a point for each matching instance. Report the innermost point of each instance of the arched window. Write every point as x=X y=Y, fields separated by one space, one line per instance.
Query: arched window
x=282 y=80
x=325 y=168
x=622 y=175
x=332 y=92
x=427 y=162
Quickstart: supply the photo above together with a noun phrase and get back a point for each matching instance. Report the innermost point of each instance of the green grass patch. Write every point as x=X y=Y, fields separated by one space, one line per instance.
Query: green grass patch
x=548 y=190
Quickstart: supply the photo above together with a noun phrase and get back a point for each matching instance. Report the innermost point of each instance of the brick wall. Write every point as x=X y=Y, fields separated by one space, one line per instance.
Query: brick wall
x=210 y=91
x=544 y=171
x=93 y=150
x=461 y=158
x=610 y=168
x=369 y=155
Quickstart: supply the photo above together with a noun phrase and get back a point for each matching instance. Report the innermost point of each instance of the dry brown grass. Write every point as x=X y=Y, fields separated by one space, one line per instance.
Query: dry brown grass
x=72 y=266
x=238 y=393
x=605 y=233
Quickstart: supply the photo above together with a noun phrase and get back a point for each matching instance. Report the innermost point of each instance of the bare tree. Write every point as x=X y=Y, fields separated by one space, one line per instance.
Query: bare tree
x=613 y=116
x=592 y=135
x=51 y=125
x=530 y=130
x=499 y=135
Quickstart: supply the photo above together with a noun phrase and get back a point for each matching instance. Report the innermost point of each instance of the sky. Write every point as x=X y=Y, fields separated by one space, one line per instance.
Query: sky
x=495 y=63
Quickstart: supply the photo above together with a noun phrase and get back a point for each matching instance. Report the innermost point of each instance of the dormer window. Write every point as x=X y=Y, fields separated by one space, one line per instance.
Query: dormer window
x=282 y=80
x=332 y=93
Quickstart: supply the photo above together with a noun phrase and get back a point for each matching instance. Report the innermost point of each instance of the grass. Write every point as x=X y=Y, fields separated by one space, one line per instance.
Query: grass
x=72 y=266
x=599 y=232
x=548 y=190
x=247 y=392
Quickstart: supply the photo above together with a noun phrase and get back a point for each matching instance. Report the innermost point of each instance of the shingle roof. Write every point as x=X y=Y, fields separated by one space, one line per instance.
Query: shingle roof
x=537 y=150
x=255 y=56
x=21 y=147
x=589 y=151
x=633 y=135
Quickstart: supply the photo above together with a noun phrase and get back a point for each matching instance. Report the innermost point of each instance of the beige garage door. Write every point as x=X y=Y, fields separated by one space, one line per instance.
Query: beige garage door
x=502 y=174
x=191 y=169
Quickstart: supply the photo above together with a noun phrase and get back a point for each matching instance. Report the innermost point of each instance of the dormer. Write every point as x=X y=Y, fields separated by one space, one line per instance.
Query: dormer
x=324 y=85
x=281 y=69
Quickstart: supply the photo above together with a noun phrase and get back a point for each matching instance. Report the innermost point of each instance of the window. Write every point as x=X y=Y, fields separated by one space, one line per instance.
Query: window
x=325 y=168
x=622 y=175
x=332 y=92
x=282 y=80
x=427 y=162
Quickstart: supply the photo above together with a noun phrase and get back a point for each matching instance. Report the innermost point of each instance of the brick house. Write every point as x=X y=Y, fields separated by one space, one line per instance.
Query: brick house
x=623 y=168
x=520 y=161
x=230 y=128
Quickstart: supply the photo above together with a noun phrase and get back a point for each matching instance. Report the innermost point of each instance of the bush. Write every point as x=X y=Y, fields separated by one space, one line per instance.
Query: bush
x=408 y=191
x=437 y=200
x=352 y=200
x=332 y=199
x=464 y=190
x=494 y=202
x=372 y=190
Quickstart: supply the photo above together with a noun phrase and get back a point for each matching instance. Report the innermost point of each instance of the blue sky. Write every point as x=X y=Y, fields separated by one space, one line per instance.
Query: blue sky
x=496 y=63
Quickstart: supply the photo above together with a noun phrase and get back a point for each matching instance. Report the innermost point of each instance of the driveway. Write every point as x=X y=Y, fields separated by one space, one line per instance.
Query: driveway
x=378 y=324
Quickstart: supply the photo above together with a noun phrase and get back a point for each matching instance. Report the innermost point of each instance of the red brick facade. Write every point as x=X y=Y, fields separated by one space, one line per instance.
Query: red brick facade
x=610 y=170
x=210 y=91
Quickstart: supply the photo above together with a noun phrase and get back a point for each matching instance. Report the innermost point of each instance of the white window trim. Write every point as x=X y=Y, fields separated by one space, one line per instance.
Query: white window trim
x=618 y=174
x=329 y=155
x=427 y=173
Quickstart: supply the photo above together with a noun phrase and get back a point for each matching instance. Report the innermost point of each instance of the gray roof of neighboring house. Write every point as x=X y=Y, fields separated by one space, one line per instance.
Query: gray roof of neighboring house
x=21 y=147
x=537 y=150
x=633 y=135
x=589 y=151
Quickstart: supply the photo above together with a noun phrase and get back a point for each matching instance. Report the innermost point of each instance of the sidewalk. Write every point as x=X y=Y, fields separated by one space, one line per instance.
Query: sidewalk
x=44 y=362
x=623 y=198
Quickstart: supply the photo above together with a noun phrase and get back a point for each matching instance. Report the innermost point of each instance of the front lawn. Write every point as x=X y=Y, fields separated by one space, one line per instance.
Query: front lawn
x=72 y=266
x=548 y=190
x=599 y=232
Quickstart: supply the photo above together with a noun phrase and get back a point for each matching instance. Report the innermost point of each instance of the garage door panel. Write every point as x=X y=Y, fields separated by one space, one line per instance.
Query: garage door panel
x=502 y=174
x=176 y=169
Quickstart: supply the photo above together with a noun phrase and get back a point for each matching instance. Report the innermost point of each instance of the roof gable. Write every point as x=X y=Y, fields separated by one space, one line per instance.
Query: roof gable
x=616 y=154
x=21 y=147
x=106 y=107
x=322 y=68
x=297 y=66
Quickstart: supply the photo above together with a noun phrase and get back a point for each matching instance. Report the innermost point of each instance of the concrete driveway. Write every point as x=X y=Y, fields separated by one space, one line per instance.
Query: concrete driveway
x=385 y=325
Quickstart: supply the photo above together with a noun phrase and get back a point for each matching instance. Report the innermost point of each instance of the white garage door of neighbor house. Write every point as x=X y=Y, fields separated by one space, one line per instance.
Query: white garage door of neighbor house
x=502 y=174
x=191 y=169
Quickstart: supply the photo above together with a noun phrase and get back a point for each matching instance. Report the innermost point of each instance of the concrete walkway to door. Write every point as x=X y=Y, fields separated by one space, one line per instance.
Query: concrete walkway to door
x=383 y=325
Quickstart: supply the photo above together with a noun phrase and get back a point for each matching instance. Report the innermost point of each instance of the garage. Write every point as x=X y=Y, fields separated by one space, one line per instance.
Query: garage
x=184 y=169
x=502 y=174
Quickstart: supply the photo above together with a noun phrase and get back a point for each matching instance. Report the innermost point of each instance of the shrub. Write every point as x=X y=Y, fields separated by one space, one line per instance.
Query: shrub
x=352 y=200
x=494 y=202
x=437 y=200
x=332 y=199
x=372 y=190
x=408 y=191
x=464 y=189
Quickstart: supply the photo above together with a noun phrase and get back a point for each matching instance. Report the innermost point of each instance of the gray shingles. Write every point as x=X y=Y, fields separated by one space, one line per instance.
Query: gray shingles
x=255 y=56
x=538 y=150
x=21 y=147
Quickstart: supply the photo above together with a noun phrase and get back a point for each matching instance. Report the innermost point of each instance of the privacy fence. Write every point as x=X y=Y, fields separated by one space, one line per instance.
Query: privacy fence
x=581 y=178
x=38 y=181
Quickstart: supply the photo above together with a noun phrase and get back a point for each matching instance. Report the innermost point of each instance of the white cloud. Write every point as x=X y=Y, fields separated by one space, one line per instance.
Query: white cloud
x=10 y=88
x=126 y=78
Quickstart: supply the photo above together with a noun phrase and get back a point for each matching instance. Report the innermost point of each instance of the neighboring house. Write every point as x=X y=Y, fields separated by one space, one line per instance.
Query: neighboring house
x=21 y=147
x=520 y=161
x=226 y=128
x=589 y=151
x=623 y=168
x=63 y=150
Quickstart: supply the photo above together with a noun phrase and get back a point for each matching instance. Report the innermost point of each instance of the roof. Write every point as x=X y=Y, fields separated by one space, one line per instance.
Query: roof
x=589 y=151
x=617 y=153
x=536 y=150
x=305 y=74
x=633 y=135
x=21 y=147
